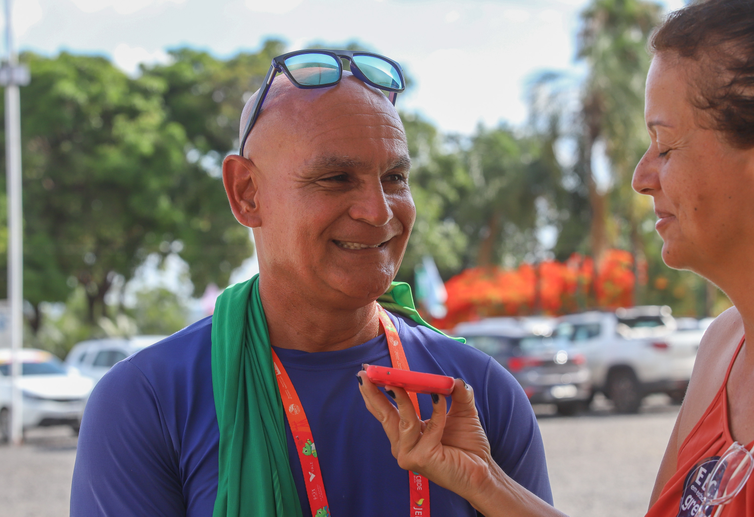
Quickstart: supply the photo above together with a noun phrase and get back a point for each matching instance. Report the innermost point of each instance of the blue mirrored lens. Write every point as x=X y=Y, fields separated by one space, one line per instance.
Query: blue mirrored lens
x=313 y=69
x=379 y=71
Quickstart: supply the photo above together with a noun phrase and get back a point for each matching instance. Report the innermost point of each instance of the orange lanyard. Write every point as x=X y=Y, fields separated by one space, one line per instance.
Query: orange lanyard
x=304 y=440
x=419 y=485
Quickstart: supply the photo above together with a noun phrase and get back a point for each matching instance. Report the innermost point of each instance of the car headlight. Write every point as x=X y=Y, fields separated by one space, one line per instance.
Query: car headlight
x=31 y=396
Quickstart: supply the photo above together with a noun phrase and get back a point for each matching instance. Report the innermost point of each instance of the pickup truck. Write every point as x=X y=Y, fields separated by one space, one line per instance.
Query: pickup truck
x=632 y=352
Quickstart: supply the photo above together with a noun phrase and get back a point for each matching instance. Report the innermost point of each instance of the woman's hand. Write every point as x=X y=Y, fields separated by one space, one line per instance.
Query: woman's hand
x=451 y=449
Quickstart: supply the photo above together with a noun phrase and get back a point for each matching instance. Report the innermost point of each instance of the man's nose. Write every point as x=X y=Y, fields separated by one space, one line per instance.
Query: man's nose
x=646 y=179
x=371 y=205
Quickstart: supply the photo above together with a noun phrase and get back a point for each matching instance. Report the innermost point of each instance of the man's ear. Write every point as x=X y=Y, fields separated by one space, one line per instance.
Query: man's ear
x=241 y=187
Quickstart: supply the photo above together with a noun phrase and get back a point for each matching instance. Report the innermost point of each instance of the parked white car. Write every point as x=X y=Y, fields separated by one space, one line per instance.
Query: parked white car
x=52 y=394
x=633 y=352
x=548 y=372
x=93 y=358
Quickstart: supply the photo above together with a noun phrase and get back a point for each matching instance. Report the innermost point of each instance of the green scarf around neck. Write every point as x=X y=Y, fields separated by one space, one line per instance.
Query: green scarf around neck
x=254 y=475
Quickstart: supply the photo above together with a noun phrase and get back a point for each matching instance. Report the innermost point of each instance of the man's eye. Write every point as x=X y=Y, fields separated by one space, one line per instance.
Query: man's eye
x=663 y=154
x=395 y=177
x=337 y=178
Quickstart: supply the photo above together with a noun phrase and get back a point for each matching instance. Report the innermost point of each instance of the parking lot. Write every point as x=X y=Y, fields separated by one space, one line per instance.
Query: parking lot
x=600 y=463
x=603 y=464
x=35 y=478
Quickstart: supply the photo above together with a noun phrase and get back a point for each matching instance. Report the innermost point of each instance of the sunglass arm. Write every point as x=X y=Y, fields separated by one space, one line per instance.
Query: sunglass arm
x=271 y=73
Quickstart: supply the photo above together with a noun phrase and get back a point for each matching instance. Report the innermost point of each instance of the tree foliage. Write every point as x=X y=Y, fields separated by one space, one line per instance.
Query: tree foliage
x=437 y=180
x=515 y=183
x=479 y=200
x=612 y=42
x=109 y=177
x=117 y=169
x=158 y=311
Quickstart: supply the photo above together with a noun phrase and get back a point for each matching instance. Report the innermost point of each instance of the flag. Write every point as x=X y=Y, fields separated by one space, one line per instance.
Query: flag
x=430 y=289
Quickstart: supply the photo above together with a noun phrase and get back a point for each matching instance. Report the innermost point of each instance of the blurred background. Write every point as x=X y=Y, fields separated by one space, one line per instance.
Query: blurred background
x=524 y=120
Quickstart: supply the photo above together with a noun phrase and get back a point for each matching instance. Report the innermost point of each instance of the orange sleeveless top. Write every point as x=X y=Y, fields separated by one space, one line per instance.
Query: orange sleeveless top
x=708 y=440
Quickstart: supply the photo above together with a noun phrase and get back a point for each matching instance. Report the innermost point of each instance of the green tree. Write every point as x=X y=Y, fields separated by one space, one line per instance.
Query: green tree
x=551 y=98
x=158 y=311
x=110 y=178
x=515 y=181
x=612 y=42
x=603 y=110
x=205 y=96
x=99 y=159
x=437 y=180
x=479 y=200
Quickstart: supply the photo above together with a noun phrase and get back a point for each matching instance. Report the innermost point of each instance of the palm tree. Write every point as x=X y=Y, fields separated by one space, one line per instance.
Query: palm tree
x=612 y=42
x=514 y=180
x=602 y=110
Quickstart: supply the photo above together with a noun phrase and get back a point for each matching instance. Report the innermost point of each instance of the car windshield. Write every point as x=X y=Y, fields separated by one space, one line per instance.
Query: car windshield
x=534 y=344
x=50 y=367
x=497 y=345
x=491 y=345
x=642 y=322
x=576 y=332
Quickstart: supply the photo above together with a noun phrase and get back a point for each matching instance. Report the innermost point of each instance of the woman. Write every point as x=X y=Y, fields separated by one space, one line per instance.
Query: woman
x=699 y=170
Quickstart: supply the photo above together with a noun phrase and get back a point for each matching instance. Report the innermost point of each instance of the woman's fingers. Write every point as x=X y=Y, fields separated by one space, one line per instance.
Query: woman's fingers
x=435 y=426
x=380 y=408
x=410 y=437
x=463 y=397
x=405 y=408
x=417 y=437
x=450 y=448
x=402 y=426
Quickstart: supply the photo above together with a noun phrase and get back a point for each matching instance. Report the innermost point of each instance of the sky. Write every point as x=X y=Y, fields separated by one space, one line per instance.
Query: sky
x=470 y=59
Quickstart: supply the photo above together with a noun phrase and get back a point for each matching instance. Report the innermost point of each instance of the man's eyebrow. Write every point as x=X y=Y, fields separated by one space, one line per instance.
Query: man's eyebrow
x=653 y=123
x=347 y=163
x=402 y=163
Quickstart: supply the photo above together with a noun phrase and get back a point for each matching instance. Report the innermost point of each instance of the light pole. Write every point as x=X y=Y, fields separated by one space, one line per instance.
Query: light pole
x=12 y=76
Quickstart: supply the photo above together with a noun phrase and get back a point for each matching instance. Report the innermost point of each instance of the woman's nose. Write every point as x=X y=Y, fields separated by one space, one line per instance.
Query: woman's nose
x=645 y=179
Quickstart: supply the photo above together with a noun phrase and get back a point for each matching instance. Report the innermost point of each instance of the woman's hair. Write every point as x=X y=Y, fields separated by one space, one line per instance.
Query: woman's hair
x=719 y=36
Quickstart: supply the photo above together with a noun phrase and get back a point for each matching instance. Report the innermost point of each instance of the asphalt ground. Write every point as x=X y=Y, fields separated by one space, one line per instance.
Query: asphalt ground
x=35 y=478
x=604 y=464
x=600 y=463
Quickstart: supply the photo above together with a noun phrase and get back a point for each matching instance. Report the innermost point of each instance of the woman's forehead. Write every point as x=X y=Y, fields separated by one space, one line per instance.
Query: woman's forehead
x=667 y=94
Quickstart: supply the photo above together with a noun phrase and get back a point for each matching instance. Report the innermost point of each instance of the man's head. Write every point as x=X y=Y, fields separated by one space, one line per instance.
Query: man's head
x=319 y=68
x=324 y=185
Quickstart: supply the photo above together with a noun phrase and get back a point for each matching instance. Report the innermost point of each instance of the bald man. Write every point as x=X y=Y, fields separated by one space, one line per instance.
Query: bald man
x=200 y=424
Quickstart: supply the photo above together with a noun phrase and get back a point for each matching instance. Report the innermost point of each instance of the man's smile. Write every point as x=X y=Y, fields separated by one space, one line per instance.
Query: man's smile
x=357 y=245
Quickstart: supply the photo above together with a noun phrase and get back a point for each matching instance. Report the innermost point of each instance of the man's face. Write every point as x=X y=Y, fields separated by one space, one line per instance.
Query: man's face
x=336 y=210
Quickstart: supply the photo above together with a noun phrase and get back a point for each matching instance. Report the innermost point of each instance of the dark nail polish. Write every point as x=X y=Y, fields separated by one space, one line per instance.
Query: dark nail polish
x=435 y=398
x=391 y=393
x=360 y=379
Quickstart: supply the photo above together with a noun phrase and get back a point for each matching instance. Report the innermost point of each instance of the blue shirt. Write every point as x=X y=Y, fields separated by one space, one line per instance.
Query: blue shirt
x=149 y=437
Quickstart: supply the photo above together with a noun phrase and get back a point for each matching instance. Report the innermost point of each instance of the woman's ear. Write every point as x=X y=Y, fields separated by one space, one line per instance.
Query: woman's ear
x=241 y=187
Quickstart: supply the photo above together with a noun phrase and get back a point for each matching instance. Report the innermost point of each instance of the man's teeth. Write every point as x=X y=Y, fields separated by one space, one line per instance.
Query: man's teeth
x=355 y=245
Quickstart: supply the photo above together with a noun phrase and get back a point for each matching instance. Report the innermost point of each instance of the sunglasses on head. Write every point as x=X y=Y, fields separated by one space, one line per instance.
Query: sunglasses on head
x=321 y=68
